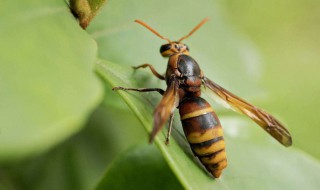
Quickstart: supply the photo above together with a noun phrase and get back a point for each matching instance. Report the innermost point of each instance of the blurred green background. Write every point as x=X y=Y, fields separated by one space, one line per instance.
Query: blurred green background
x=287 y=35
x=61 y=126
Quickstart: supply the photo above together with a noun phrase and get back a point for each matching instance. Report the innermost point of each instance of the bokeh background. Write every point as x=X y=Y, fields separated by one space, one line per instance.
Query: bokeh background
x=266 y=52
x=286 y=34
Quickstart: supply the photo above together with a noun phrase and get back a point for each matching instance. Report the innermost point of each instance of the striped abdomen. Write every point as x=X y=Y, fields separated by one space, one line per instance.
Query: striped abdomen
x=204 y=133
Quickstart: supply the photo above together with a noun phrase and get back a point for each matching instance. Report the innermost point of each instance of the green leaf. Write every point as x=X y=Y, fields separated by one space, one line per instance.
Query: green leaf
x=79 y=162
x=225 y=56
x=141 y=167
x=254 y=160
x=46 y=79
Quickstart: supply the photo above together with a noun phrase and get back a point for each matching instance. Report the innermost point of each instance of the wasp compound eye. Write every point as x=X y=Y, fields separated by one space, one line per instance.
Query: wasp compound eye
x=165 y=47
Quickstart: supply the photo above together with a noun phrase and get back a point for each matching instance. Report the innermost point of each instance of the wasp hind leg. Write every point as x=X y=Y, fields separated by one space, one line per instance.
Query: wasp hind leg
x=155 y=73
x=139 y=89
x=169 y=129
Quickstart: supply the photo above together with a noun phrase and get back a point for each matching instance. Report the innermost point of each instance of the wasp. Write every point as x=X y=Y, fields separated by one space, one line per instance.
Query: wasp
x=201 y=125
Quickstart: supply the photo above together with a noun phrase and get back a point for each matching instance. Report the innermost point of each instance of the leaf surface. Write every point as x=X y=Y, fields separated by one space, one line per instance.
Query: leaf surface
x=254 y=158
x=47 y=87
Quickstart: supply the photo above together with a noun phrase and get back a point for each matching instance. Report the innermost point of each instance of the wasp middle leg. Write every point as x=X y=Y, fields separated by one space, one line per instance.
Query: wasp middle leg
x=155 y=73
x=169 y=129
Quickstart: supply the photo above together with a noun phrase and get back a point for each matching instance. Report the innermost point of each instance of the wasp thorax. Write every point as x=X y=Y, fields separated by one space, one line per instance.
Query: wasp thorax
x=172 y=48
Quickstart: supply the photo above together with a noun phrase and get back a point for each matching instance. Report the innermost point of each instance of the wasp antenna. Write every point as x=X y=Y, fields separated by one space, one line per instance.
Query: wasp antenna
x=195 y=29
x=152 y=30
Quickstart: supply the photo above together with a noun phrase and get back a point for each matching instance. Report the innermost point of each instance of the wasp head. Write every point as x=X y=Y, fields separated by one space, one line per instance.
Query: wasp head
x=171 y=48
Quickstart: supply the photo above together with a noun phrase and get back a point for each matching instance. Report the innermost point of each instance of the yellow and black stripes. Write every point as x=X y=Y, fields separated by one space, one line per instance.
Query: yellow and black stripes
x=197 y=113
x=204 y=133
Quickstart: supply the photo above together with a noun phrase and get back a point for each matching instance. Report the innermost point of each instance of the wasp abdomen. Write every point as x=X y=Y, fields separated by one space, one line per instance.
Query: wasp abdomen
x=204 y=133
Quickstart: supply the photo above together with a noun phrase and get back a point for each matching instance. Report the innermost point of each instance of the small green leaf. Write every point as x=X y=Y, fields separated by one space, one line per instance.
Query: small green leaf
x=254 y=160
x=47 y=87
x=141 y=167
x=85 y=10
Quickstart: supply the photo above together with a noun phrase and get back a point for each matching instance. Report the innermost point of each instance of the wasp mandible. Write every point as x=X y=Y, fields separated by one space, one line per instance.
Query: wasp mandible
x=201 y=126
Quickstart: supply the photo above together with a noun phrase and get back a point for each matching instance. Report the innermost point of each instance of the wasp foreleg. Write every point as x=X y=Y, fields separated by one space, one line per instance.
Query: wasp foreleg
x=161 y=77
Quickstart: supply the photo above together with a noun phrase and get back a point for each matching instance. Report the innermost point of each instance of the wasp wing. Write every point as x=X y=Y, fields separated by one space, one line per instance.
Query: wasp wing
x=262 y=118
x=166 y=106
